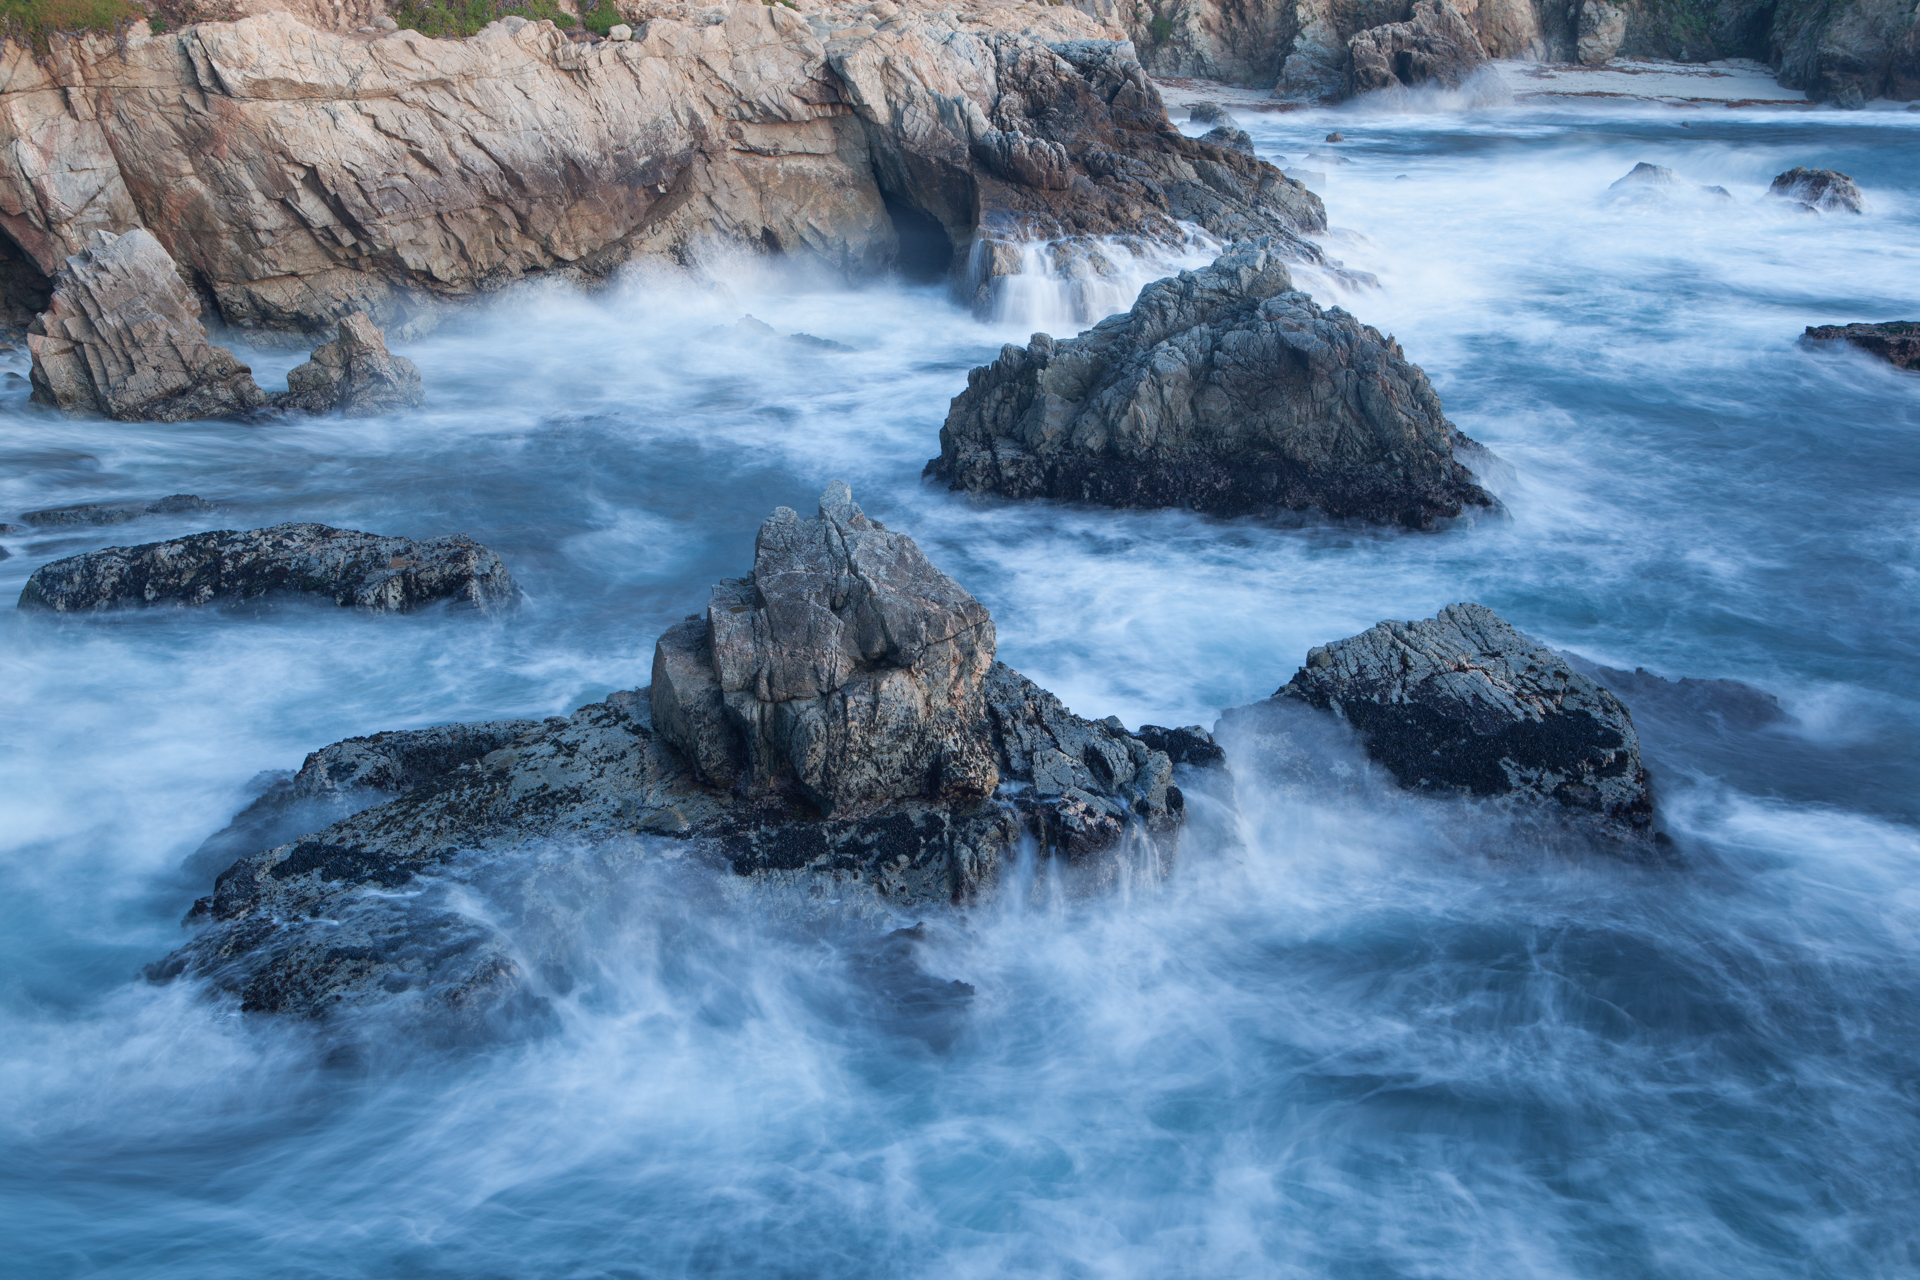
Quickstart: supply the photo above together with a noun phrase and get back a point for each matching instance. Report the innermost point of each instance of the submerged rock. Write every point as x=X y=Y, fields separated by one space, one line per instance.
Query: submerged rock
x=98 y=513
x=122 y=337
x=1895 y=341
x=354 y=374
x=358 y=570
x=1462 y=702
x=1436 y=45
x=1222 y=390
x=1822 y=189
x=1654 y=182
x=835 y=723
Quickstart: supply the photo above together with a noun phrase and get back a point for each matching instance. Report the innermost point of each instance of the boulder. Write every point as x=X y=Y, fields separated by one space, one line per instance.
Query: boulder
x=1654 y=184
x=1895 y=341
x=1211 y=113
x=354 y=374
x=99 y=513
x=1222 y=390
x=122 y=337
x=1462 y=703
x=1821 y=189
x=1230 y=138
x=1435 y=46
x=1602 y=27
x=834 y=724
x=357 y=570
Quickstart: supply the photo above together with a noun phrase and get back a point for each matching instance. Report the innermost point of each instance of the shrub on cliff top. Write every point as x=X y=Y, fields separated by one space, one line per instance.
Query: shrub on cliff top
x=465 y=17
x=32 y=21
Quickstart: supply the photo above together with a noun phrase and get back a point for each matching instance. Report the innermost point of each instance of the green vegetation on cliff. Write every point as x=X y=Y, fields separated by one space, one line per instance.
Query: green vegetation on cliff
x=32 y=21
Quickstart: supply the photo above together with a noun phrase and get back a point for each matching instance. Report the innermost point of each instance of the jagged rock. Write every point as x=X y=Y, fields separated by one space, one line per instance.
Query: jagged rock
x=1655 y=183
x=835 y=723
x=1231 y=138
x=1464 y=703
x=391 y=176
x=1211 y=113
x=1819 y=189
x=1895 y=341
x=355 y=375
x=122 y=337
x=358 y=570
x=1601 y=29
x=1435 y=46
x=1222 y=390
x=1190 y=745
x=98 y=513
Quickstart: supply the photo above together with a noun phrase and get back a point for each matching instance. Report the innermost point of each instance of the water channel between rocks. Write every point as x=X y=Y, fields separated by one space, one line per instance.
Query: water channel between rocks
x=1359 y=1035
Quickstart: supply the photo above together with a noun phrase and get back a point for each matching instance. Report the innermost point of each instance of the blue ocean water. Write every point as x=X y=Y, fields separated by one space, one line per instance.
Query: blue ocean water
x=1355 y=1034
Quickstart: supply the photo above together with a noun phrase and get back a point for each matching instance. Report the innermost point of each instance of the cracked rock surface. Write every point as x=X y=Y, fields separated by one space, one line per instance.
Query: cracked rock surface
x=835 y=725
x=355 y=374
x=1223 y=390
x=354 y=569
x=1462 y=702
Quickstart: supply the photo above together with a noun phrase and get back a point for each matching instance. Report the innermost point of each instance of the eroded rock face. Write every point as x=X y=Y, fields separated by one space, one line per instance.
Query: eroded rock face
x=1602 y=27
x=304 y=175
x=354 y=374
x=1434 y=46
x=835 y=724
x=845 y=664
x=1822 y=189
x=1895 y=341
x=1222 y=390
x=357 y=570
x=122 y=337
x=1462 y=702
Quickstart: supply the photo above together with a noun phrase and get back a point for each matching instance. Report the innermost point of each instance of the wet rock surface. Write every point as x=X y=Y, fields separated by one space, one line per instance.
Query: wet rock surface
x=102 y=513
x=1823 y=189
x=1223 y=390
x=122 y=337
x=1895 y=341
x=834 y=727
x=354 y=374
x=1464 y=703
x=1651 y=182
x=353 y=569
x=1436 y=45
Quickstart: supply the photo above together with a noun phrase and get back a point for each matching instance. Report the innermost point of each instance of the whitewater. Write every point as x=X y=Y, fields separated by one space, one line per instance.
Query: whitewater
x=1354 y=1033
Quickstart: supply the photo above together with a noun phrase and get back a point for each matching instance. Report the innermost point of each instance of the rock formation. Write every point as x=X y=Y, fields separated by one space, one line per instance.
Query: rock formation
x=122 y=337
x=98 y=513
x=1819 y=189
x=357 y=570
x=298 y=175
x=1222 y=390
x=1601 y=29
x=354 y=374
x=1656 y=184
x=1435 y=46
x=1464 y=703
x=1895 y=341
x=834 y=722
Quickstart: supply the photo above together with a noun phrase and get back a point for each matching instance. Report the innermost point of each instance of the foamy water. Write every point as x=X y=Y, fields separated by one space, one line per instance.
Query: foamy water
x=1355 y=1034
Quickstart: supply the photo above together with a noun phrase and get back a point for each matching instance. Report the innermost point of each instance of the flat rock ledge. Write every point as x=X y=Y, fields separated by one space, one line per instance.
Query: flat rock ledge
x=1895 y=341
x=1463 y=703
x=834 y=723
x=1222 y=390
x=356 y=570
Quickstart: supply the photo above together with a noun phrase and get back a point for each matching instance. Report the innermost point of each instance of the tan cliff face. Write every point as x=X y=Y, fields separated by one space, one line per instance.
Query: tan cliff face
x=297 y=175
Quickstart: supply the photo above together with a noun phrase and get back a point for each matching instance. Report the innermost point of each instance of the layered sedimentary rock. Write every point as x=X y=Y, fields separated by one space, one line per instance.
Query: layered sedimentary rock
x=122 y=337
x=1895 y=341
x=1436 y=46
x=298 y=176
x=353 y=569
x=1223 y=390
x=1844 y=52
x=354 y=374
x=834 y=723
x=1824 y=190
x=1463 y=703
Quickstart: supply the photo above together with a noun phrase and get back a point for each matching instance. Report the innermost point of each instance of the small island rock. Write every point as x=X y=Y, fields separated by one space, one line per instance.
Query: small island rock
x=1822 y=189
x=1895 y=341
x=354 y=374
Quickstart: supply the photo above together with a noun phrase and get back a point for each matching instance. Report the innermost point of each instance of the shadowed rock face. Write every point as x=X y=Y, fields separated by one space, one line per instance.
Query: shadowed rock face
x=1435 y=46
x=122 y=337
x=1895 y=341
x=354 y=374
x=1222 y=390
x=357 y=570
x=835 y=724
x=1822 y=189
x=1462 y=702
